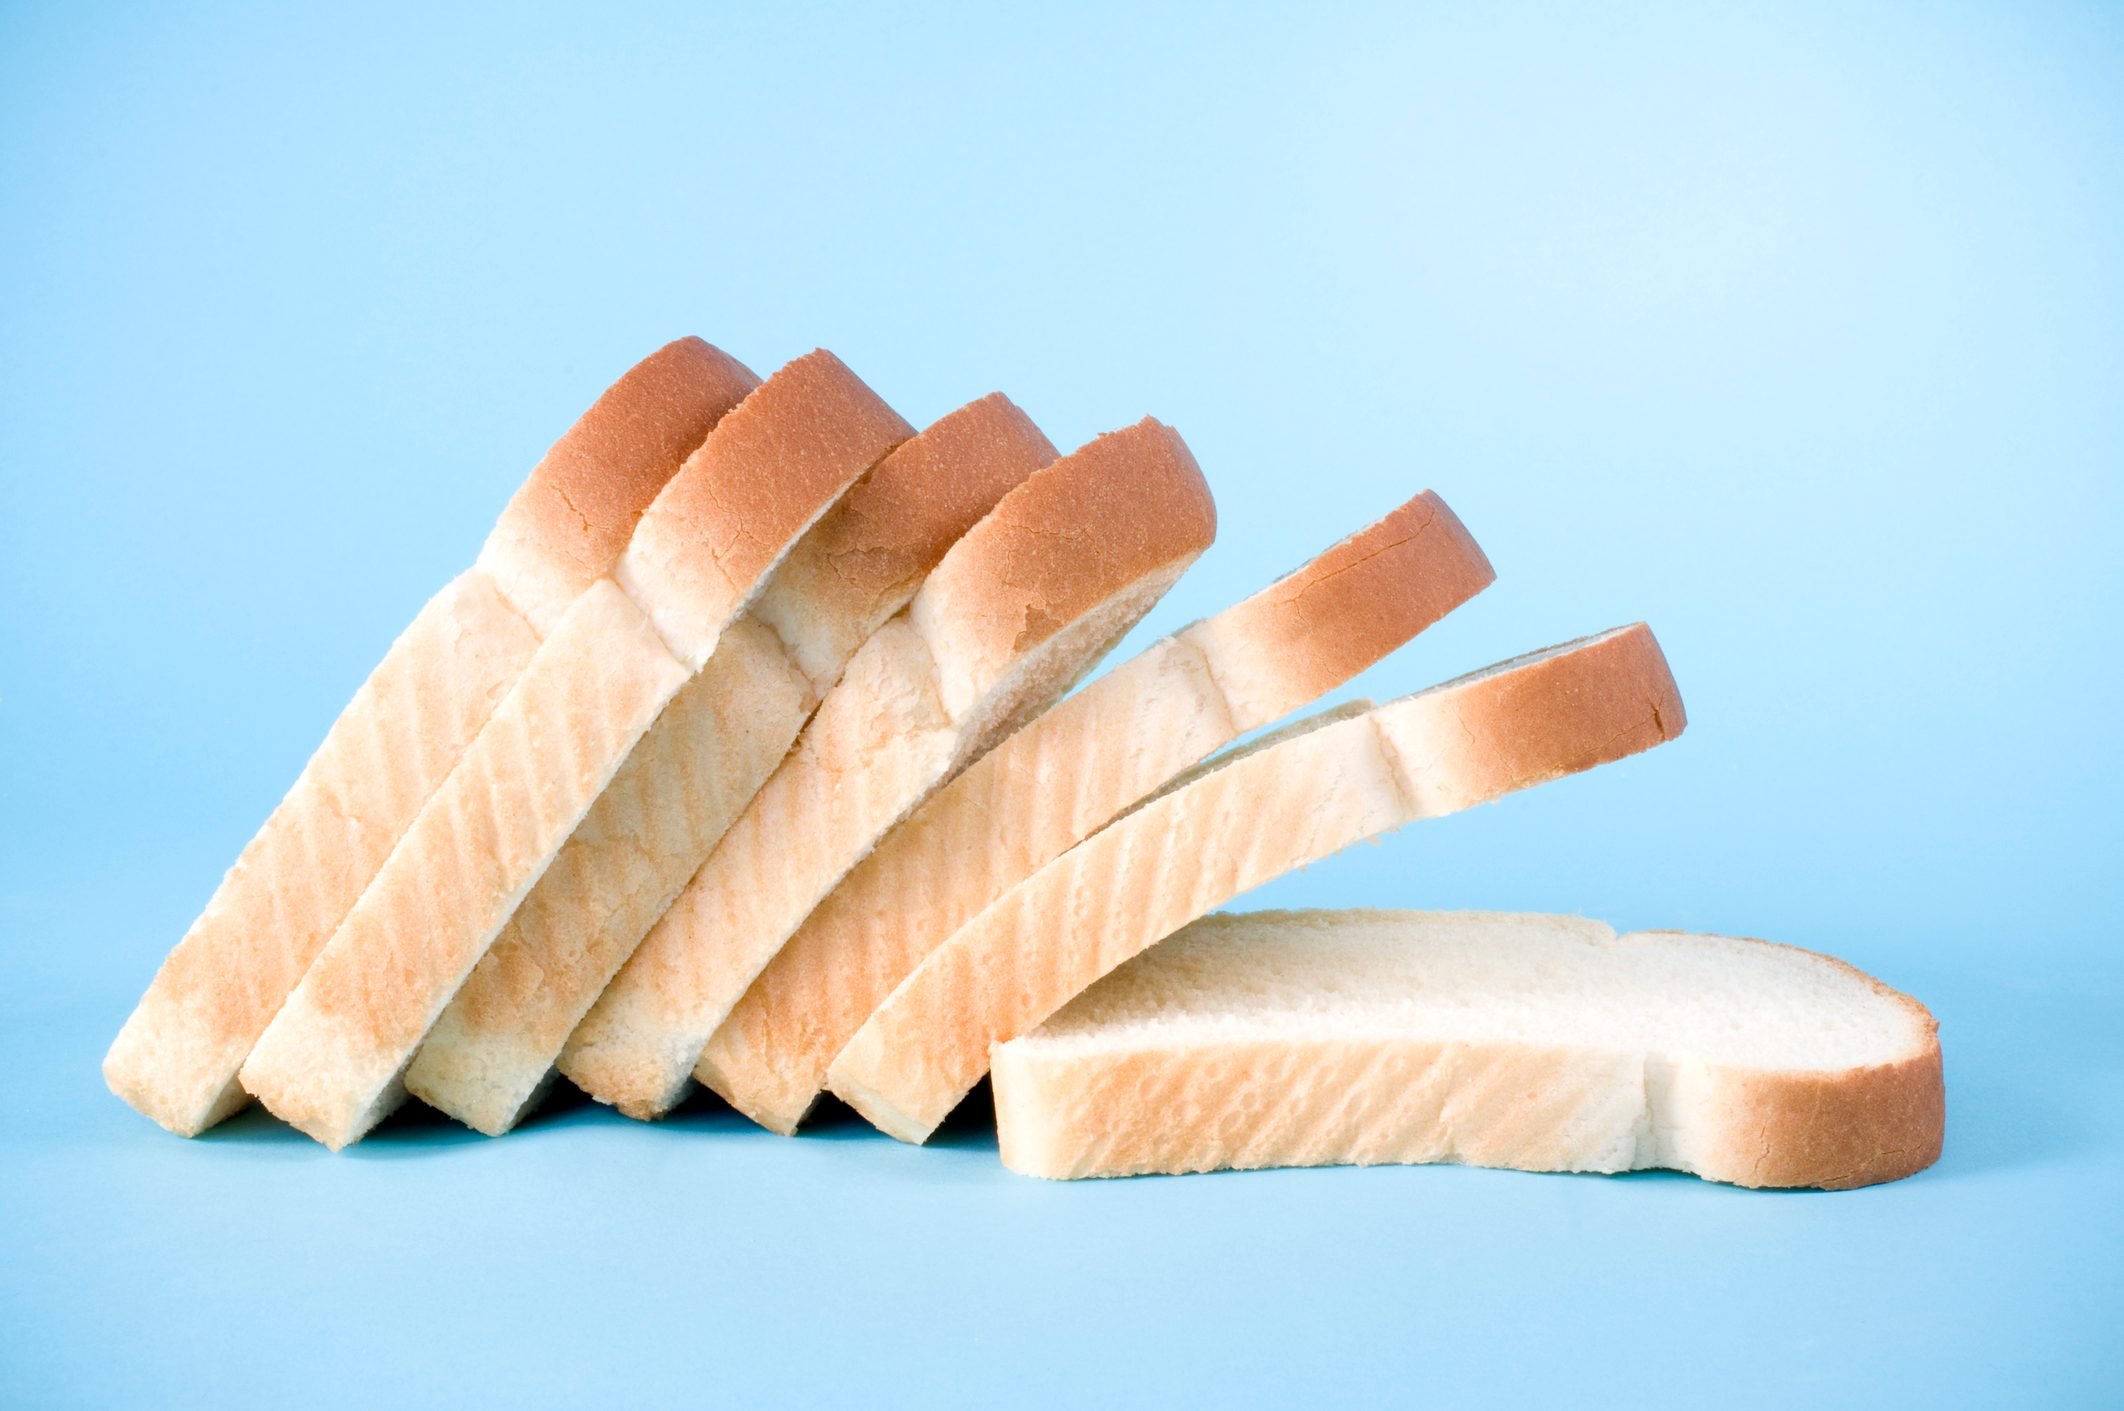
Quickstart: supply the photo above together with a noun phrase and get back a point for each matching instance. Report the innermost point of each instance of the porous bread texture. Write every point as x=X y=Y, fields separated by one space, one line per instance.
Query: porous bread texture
x=1544 y=1043
x=1246 y=819
x=176 y=1059
x=332 y=1061
x=1017 y=611
x=1048 y=786
x=489 y=1056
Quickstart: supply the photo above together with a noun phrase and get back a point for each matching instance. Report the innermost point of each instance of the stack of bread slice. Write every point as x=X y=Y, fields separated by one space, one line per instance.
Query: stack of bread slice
x=747 y=754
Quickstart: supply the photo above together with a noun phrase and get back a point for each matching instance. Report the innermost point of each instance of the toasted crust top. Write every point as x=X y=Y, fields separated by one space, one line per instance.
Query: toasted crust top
x=1534 y=718
x=1126 y=507
x=767 y=472
x=581 y=502
x=865 y=559
x=1315 y=628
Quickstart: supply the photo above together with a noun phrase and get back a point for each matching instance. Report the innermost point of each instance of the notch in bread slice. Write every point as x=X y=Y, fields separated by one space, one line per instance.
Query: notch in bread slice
x=490 y=1054
x=1535 y=1043
x=1068 y=774
x=177 y=1057
x=1017 y=611
x=332 y=1061
x=1242 y=820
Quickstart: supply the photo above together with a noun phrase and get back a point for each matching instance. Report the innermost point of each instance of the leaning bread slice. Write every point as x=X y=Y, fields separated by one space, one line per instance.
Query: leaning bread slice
x=1018 y=609
x=1538 y=1043
x=488 y=1057
x=1068 y=774
x=177 y=1057
x=332 y=1060
x=1236 y=824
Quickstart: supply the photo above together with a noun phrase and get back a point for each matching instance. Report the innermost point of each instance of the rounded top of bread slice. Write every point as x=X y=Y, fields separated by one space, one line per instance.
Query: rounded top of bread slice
x=1556 y=982
x=1533 y=718
x=767 y=472
x=570 y=520
x=1061 y=568
x=1316 y=627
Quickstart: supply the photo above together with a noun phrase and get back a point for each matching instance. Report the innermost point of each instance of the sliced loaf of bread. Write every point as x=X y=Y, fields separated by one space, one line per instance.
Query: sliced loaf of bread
x=1539 y=1043
x=1018 y=610
x=1068 y=774
x=178 y=1055
x=1232 y=825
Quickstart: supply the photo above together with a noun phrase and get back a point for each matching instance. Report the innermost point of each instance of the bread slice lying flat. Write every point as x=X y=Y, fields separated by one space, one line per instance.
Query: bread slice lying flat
x=177 y=1057
x=1540 y=1043
x=1017 y=611
x=1239 y=822
x=332 y=1060
x=489 y=1056
x=1069 y=773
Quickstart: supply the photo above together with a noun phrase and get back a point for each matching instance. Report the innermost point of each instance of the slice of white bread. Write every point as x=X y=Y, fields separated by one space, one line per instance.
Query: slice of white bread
x=177 y=1057
x=332 y=1060
x=1069 y=773
x=1015 y=613
x=1539 y=1043
x=1241 y=821
x=488 y=1057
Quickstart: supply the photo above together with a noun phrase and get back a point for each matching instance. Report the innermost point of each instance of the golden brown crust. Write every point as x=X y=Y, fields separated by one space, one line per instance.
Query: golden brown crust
x=1555 y=713
x=569 y=522
x=865 y=559
x=1833 y=1130
x=1315 y=629
x=771 y=468
x=1836 y=1131
x=1124 y=508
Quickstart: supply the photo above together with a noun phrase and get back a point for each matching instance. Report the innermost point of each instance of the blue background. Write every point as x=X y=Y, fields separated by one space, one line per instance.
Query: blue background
x=1795 y=332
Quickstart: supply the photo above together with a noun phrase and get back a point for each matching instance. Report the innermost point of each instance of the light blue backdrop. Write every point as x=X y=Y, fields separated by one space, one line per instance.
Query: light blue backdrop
x=1798 y=332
